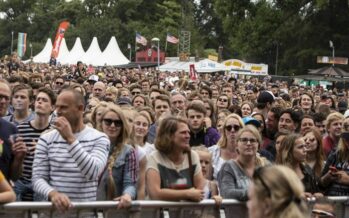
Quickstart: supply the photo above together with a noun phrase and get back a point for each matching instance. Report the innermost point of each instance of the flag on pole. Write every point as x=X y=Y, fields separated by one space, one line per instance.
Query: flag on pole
x=22 y=44
x=128 y=46
x=141 y=40
x=171 y=39
x=331 y=44
x=63 y=26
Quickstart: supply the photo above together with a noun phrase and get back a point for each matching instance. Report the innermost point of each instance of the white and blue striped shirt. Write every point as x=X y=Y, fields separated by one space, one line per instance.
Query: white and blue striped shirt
x=70 y=169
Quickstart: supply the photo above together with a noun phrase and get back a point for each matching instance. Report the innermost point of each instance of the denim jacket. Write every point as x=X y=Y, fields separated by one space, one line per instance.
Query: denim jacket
x=125 y=174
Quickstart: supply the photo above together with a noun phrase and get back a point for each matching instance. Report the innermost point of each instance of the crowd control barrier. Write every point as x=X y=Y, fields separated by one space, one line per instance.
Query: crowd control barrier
x=154 y=209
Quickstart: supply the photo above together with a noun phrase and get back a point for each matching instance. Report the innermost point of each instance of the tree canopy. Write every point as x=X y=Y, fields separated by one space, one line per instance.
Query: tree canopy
x=291 y=32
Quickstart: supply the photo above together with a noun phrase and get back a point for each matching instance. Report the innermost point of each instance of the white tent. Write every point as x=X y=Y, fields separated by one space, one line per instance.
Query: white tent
x=45 y=54
x=203 y=66
x=92 y=53
x=63 y=51
x=112 y=55
x=75 y=53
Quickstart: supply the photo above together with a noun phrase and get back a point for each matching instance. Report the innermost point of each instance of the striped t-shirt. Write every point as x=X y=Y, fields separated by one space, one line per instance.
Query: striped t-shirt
x=70 y=169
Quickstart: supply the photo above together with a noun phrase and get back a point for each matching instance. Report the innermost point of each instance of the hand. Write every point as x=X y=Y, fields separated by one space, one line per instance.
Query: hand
x=329 y=177
x=19 y=149
x=64 y=128
x=207 y=122
x=218 y=199
x=60 y=201
x=343 y=177
x=194 y=194
x=124 y=201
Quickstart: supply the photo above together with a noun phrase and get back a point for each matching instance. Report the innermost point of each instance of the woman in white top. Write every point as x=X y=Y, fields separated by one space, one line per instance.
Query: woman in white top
x=173 y=171
x=226 y=147
x=140 y=127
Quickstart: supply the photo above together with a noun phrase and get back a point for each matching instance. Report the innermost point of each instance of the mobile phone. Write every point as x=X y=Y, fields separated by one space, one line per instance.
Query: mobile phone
x=333 y=169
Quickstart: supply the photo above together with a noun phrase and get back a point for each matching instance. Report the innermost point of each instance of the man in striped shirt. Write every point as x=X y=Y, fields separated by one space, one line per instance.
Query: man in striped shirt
x=69 y=160
x=30 y=132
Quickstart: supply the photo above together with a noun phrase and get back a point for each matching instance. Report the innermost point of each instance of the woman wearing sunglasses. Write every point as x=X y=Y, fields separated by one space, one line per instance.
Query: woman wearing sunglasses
x=292 y=153
x=223 y=102
x=173 y=171
x=234 y=176
x=119 y=180
x=226 y=146
x=276 y=192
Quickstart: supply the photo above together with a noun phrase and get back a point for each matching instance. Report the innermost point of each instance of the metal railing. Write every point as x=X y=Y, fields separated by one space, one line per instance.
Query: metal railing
x=161 y=209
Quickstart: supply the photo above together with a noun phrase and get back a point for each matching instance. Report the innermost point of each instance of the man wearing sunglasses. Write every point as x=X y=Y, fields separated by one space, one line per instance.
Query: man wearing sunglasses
x=70 y=157
x=201 y=131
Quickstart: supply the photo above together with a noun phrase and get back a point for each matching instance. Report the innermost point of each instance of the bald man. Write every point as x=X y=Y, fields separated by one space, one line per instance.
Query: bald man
x=5 y=96
x=98 y=90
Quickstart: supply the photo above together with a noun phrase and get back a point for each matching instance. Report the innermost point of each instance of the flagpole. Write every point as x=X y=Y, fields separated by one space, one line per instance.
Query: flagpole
x=166 y=44
x=136 y=47
x=130 y=52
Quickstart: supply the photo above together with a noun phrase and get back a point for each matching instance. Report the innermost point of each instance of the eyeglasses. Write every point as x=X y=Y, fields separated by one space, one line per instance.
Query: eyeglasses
x=6 y=98
x=246 y=140
x=59 y=83
x=108 y=122
x=230 y=127
x=223 y=99
x=257 y=175
x=135 y=93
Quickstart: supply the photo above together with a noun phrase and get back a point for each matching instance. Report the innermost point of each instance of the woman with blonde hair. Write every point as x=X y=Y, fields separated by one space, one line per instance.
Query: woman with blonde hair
x=173 y=171
x=138 y=139
x=119 y=181
x=226 y=146
x=97 y=112
x=276 y=191
x=235 y=175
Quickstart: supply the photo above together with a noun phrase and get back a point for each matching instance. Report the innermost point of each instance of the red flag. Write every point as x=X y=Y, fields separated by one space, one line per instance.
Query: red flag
x=192 y=73
x=63 y=26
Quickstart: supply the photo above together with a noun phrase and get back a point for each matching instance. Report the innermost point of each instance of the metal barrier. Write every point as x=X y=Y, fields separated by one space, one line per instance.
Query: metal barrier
x=139 y=209
x=156 y=209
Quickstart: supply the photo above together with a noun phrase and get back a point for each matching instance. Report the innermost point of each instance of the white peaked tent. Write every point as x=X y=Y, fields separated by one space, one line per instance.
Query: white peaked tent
x=63 y=51
x=112 y=55
x=75 y=53
x=45 y=54
x=92 y=53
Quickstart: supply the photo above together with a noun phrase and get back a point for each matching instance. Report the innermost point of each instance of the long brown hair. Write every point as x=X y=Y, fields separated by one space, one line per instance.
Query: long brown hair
x=319 y=153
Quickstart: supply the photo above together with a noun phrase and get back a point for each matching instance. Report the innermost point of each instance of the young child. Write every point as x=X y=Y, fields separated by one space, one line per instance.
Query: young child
x=211 y=188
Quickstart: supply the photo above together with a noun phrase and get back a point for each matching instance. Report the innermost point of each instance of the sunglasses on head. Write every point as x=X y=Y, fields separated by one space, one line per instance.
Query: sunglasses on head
x=108 y=122
x=230 y=127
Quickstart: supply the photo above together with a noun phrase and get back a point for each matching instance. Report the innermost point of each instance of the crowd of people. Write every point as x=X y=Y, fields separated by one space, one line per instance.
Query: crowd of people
x=84 y=134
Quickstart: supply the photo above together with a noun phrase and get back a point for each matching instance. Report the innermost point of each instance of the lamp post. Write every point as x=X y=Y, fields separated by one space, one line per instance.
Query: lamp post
x=11 y=42
x=332 y=46
x=31 y=50
x=158 y=46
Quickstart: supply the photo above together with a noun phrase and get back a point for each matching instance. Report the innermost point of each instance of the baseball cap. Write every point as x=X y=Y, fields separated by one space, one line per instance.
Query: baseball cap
x=93 y=78
x=251 y=120
x=265 y=97
x=123 y=101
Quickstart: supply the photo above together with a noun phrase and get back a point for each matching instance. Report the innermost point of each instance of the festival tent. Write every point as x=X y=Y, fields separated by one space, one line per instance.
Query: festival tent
x=45 y=54
x=75 y=53
x=63 y=51
x=92 y=53
x=111 y=55
x=203 y=66
x=329 y=71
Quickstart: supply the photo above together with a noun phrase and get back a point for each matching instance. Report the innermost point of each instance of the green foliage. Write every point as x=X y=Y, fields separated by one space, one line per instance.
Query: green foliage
x=250 y=30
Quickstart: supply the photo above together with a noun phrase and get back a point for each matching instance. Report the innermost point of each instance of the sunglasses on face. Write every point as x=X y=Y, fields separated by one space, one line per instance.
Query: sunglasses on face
x=59 y=83
x=223 y=99
x=108 y=122
x=230 y=127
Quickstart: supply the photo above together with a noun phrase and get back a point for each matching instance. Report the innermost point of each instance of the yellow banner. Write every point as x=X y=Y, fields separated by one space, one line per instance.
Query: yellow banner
x=212 y=58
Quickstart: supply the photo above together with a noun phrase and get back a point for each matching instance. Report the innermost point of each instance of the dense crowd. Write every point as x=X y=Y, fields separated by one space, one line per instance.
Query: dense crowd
x=78 y=133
